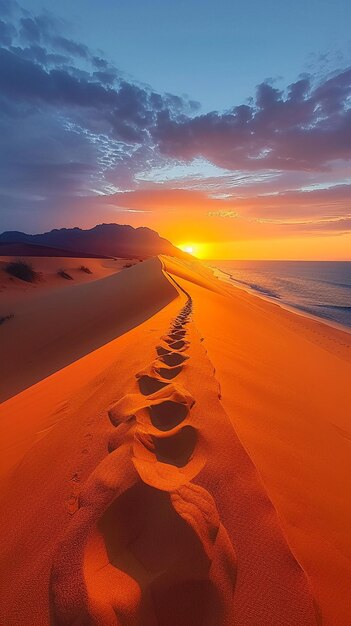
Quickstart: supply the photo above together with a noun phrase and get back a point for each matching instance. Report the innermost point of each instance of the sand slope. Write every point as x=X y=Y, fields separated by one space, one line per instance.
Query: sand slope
x=56 y=325
x=144 y=507
x=53 y=435
x=285 y=383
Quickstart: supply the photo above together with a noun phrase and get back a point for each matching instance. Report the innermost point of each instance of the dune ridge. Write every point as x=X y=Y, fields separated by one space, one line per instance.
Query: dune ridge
x=176 y=563
x=55 y=328
x=177 y=582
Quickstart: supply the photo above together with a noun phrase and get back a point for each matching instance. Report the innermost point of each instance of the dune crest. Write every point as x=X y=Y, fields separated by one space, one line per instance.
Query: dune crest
x=56 y=326
x=172 y=561
x=155 y=540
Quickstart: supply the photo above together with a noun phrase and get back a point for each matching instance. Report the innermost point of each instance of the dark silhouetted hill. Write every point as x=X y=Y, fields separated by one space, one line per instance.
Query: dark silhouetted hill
x=114 y=240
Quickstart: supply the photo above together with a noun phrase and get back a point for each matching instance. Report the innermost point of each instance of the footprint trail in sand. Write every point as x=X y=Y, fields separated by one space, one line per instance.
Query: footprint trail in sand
x=146 y=543
x=174 y=527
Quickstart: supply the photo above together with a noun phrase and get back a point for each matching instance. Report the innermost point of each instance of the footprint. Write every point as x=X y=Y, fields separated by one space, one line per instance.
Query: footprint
x=153 y=371
x=176 y=449
x=180 y=334
x=150 y=384
x=179 y=344
x=169 y=372
x=147 y=557
x=167 y=460
x=75 y=595
x=161 y=350
x=168 y=414
x=171 y=401
x=173 y=358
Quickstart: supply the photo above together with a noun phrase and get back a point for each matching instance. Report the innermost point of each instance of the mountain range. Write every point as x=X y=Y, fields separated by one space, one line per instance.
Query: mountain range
x=112 y=240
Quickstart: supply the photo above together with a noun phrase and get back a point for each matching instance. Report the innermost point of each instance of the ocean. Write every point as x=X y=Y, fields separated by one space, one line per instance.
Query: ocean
x=319 y=288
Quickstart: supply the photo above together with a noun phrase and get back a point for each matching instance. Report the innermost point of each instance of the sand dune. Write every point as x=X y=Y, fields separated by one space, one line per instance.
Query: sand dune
x=60 y=323
x=48 y=268
x=285 y=386
x=33 y=250
x=145 y=507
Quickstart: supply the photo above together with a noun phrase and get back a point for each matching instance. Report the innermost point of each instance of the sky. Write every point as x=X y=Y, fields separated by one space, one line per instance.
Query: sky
x=225 y=126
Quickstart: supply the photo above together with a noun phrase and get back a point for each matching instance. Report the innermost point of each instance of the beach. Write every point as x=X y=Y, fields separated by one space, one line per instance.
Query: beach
x=175 y=451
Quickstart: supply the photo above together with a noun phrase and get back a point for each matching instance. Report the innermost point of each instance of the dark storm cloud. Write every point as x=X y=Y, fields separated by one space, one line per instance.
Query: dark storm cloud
x=304 y=129
x=126 y=113
x=26 y=81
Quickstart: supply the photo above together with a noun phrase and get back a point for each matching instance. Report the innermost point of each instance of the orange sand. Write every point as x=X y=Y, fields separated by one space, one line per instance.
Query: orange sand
x=57 y=321
x=128 y=498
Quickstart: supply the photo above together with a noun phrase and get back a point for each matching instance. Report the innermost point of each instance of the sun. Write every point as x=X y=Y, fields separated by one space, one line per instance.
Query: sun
x=195 y=249
x=190 y=248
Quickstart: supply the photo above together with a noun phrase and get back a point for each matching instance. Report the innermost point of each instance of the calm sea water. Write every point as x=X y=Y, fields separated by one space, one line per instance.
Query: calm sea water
x=320 y=288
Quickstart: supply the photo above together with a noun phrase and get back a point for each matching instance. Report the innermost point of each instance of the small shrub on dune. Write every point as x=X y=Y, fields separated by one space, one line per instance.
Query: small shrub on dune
x=84 y=268
x=65 y=275
x=22 y=270
x=128 y=265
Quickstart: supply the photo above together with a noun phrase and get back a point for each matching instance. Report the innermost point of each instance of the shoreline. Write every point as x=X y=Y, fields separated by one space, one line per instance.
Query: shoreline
x=283 y=305
x=284 y=383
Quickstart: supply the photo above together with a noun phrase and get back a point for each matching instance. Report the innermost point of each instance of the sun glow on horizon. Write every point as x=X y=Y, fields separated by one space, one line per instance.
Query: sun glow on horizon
x=195 y=249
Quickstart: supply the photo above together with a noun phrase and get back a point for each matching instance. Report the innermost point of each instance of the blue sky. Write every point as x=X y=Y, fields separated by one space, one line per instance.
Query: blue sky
x=216 y=52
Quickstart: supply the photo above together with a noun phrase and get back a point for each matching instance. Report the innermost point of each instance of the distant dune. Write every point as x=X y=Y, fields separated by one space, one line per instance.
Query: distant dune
x=34 y=250
x=178 y=455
